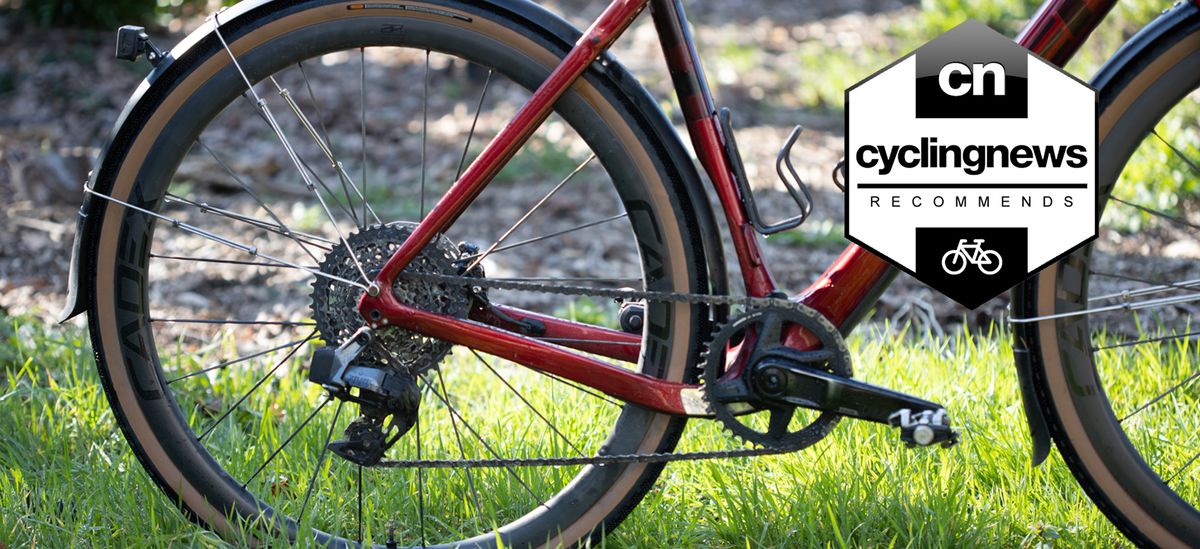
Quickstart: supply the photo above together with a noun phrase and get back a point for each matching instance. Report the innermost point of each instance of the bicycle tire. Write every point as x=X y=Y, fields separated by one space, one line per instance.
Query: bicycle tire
x=523 y=44
x=1137 y=88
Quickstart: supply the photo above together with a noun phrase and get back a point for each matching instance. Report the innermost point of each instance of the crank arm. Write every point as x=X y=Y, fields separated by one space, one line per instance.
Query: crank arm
x=779 y=379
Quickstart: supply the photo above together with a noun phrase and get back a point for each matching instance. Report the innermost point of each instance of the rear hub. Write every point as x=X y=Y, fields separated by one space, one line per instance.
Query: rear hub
x=335 y=304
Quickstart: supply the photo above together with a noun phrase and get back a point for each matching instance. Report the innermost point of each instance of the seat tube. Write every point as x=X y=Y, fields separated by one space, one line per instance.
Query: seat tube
x=695 y=101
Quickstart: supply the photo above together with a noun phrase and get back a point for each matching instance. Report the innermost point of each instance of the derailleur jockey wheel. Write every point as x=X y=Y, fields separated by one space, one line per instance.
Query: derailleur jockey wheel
x=737 y=395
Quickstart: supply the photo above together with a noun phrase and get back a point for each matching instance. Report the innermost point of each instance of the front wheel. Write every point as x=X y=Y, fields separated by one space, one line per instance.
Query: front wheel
x=236 y=238
x=1113 y=339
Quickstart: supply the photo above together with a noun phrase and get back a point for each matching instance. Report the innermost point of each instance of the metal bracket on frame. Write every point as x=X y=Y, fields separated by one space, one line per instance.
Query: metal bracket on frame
x=791 y=180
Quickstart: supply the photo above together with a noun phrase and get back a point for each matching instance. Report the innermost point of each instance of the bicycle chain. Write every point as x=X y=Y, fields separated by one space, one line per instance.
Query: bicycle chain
x=591 y=291
x=479 y=284
x=616 y=459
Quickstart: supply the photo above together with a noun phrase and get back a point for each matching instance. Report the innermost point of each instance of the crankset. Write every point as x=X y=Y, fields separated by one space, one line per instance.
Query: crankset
x=791 y=380
x=754 y=368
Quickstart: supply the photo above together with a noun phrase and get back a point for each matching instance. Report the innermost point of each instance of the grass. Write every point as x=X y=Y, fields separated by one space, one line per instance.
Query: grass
x=67 y=477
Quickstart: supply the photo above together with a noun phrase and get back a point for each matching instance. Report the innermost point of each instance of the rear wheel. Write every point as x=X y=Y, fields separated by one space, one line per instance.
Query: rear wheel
x=235 y=239
x=1115 y=349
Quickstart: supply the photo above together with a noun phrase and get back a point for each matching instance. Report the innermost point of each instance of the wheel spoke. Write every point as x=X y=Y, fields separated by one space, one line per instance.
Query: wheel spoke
x=1145 y=340
x=1154 y=287
x=252 y=250
x=420 y=486
x=1161 y=396
x=525 y=217
x=291 y=152
x=362 y=111
x=320 y=462
x=533 y=408
x=1128 y=306
x=424 y=131
x=287 y=231
x=1179 y=153
x=306 y=170
x=454 y=412
x=286 y=442
x=326 y=145
x=582 y=389
x=258 y=384
x=360 y=504
x=287 y=323
x=471 y=134
x=325 y=142
x=554 y=234
x=241 y=359
x=1189 y=463
x=462 y=453
x=1157 y=213
x=228 y=261
x=206 y=208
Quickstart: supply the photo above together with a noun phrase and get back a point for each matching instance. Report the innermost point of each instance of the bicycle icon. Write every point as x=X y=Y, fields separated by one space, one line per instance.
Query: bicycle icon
x=955 y=261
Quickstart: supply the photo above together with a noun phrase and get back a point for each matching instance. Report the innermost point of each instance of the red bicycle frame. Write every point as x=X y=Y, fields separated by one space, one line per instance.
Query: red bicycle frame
x=843 y=293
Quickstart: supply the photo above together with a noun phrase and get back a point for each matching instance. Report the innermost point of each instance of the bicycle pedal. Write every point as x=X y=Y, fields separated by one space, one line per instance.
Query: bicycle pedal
x=924 y=428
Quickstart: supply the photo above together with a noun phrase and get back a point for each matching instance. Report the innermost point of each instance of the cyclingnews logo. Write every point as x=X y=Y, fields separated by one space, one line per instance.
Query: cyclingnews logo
x=971 y=163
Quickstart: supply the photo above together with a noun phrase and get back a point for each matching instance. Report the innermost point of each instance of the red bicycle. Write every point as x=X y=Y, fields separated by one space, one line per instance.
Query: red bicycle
x=218 y=309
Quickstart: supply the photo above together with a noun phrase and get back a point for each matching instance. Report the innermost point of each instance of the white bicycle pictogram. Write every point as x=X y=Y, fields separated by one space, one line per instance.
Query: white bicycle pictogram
x=955 y=261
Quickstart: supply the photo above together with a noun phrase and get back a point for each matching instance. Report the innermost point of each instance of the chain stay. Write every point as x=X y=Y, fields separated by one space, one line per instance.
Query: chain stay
x=478 y=284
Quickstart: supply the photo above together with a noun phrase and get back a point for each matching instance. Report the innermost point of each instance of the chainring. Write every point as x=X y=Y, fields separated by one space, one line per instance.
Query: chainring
x=335 y=304
x=746 y=340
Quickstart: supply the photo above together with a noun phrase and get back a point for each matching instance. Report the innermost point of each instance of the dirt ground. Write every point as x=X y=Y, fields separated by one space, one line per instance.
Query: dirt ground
x=59 y=98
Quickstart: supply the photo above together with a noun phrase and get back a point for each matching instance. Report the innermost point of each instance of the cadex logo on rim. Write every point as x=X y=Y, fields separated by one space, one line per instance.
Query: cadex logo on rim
x=969 y=140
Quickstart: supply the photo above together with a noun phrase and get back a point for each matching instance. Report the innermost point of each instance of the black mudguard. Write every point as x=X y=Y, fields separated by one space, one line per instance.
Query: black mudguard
x=639 y=101
x=1116 y=71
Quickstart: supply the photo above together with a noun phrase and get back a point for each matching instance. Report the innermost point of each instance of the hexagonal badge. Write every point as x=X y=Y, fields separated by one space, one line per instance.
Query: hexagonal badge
x=971 y=163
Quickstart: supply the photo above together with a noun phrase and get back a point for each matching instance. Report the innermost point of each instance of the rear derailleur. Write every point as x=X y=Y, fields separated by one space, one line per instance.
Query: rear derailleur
x=388 y=399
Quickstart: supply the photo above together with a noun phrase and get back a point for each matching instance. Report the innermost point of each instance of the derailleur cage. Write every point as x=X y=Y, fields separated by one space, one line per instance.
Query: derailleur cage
x=389 y=400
